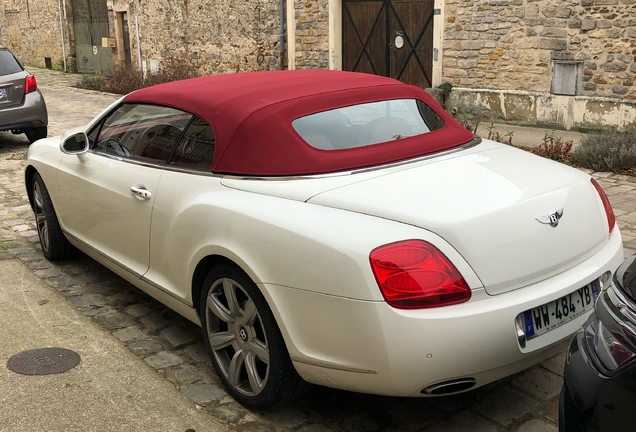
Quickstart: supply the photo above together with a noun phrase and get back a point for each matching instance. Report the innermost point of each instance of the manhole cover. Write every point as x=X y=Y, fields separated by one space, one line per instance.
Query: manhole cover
x=43 y=361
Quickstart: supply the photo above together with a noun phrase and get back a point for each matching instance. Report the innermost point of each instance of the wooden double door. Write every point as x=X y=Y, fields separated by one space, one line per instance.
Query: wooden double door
x=392 y=38
x=90 y=22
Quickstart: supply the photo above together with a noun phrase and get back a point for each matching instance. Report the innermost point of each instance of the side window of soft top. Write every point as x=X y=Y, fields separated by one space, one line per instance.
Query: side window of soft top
x=196 y=149
x=142 y=132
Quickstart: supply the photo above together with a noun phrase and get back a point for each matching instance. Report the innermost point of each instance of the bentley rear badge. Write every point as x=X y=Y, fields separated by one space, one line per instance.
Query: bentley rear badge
x=551 y=219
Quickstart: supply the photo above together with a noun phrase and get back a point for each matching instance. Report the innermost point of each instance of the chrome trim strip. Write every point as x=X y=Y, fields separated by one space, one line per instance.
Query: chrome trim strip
x=160 y=288
x=192 y=172
x=328 y=365
x=155 y=165
x=627 y=326
x=475 y=141
x=126 y=269
x=131 y=161
x=623 y=299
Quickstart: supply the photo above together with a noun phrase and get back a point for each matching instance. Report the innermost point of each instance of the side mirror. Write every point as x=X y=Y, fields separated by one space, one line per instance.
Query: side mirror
x=75 y=143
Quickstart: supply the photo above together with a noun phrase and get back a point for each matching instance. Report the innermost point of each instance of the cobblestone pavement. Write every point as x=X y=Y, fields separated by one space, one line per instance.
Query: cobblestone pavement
x=525 y=402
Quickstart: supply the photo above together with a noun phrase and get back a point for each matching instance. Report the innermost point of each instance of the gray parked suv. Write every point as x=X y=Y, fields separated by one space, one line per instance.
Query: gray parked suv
x=22 y=107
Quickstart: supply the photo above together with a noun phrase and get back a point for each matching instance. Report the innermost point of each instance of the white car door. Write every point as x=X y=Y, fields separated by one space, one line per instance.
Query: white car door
x=176 y=228
x=107 y=199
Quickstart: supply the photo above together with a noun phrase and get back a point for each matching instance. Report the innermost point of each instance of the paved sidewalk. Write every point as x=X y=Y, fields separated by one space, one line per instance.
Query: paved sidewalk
x=110 y=390
x=170 y=348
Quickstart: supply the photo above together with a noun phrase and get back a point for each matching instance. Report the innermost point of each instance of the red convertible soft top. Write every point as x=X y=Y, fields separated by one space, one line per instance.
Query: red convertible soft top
x=252 y=113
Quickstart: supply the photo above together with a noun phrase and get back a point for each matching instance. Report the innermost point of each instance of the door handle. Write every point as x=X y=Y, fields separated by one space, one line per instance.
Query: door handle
x=140 y=192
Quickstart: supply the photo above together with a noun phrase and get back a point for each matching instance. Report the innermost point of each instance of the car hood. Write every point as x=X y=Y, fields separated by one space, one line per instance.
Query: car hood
x=486 y=203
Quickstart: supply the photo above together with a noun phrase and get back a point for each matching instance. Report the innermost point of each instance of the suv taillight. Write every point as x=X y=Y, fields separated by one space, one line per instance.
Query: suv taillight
x=30 y=85
x=414 y=274
x=611 y=219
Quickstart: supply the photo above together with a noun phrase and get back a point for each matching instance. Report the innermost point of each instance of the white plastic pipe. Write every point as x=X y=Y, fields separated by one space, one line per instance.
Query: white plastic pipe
x=138 y=43
x=59 y=5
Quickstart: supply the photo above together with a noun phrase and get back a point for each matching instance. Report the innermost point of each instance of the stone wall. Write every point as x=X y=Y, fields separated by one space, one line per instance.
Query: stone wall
x=216 y=37
x=510 y=44
x=31 y=29
x=312 y=34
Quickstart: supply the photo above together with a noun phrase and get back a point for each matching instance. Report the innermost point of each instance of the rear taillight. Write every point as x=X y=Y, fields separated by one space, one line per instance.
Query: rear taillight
x=413 y=274
x=30 y=85
x=611 y=219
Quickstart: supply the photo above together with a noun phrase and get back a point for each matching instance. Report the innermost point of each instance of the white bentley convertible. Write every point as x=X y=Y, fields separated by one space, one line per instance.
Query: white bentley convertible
x=330 y=227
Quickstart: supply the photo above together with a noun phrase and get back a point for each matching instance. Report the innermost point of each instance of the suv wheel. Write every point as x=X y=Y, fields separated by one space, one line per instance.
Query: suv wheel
x=36 y=133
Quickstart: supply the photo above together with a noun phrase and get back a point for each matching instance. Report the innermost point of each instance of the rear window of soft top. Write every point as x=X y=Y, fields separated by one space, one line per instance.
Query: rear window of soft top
x=366 y=124
x=8 y=63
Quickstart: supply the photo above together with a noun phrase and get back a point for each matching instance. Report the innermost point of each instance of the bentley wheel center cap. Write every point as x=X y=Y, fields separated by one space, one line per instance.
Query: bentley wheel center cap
x=243 y=334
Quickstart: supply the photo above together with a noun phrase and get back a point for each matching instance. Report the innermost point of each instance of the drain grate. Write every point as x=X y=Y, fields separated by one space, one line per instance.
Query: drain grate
x=43 y=361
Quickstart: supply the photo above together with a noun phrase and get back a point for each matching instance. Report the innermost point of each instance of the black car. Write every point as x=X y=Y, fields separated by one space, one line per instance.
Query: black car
x=599 y=392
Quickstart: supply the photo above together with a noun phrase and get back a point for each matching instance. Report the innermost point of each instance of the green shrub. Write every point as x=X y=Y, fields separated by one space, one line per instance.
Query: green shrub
x=123 y=81
x=494 y=135
x=470 y=123
x=553 y=147
x=172 y=69
x=609 y=151
x=59 y=65
x=91 y=82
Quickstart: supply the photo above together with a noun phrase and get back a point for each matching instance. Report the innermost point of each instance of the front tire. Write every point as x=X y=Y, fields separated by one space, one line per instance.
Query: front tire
x=244 y=342
x=54 y=244
x=36 y=133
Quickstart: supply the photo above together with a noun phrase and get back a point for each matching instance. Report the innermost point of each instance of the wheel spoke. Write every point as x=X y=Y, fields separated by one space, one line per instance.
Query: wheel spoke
x=217 y=308
x=38 y=197
x=260 y=350
x=220 y=340
x=250 y=313
x=252 y=373
x=234 y=369
x=230 y=296
x=40 y=217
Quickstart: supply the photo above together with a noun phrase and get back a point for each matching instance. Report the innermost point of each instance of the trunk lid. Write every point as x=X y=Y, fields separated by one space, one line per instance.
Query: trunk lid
x=12 y=80
x=12 y=89
x=486 y=205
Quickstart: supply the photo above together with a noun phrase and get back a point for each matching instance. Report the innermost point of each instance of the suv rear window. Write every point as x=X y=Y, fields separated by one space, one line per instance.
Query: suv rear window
x=8 y=63
x=367 y=124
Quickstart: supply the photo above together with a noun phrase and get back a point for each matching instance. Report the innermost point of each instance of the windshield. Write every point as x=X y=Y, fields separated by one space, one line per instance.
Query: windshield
x=367 y=124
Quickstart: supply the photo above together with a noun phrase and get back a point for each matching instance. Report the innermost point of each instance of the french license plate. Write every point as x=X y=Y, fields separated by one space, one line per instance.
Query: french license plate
x=551 y=315
x=3 y=93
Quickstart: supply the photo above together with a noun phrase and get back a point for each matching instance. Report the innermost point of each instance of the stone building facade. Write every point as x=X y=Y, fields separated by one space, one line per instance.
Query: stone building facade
x=33 y=31
x=521 y=45
x=511 y=58
x=216 y=37
x=512 y=44
x=311 y=35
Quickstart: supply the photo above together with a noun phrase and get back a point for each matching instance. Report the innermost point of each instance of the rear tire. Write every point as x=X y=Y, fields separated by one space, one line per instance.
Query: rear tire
x=54 y=244
x=247 y=349
x=36 y=133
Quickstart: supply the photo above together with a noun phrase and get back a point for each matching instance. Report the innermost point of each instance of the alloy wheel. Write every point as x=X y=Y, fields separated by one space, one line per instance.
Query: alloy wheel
x=237 y=337
x=40 y=217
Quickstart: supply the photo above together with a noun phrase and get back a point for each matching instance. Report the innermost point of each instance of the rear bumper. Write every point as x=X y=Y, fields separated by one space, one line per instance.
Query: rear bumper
x=370 y=347
x=31 y=113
